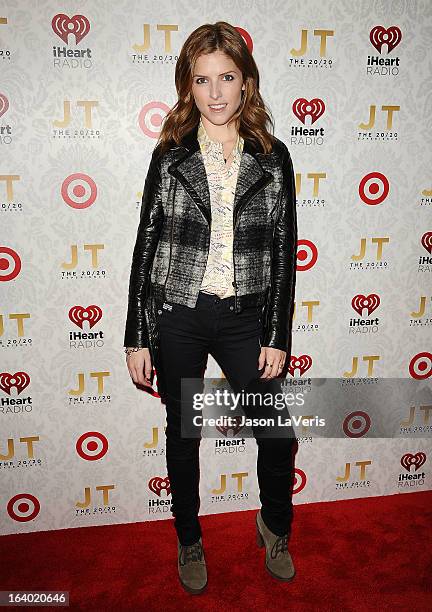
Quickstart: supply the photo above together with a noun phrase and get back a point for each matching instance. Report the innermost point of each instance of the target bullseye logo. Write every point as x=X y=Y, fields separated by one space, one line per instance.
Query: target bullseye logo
x=92 y=446
x=23 y=507
x=420 y=366
x=151 y=117
x=307 y=255
x=300 y=481
x=246 y=37
x=79 y=190
x=374 y=188
x=356 y=424
x=10 y=264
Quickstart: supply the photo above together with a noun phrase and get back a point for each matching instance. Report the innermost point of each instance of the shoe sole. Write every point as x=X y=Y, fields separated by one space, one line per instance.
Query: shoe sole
x=190 y=589
x=260 y=543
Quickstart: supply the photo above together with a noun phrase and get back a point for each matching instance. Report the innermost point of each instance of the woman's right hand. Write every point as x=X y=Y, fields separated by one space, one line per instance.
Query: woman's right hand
x=140 y=366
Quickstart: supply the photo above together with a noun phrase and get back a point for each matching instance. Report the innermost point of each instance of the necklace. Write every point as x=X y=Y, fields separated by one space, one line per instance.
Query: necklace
x=232 y=151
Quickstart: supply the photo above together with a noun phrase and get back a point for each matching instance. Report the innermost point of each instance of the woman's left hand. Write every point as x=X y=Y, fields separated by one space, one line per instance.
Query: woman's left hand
x=273 y=360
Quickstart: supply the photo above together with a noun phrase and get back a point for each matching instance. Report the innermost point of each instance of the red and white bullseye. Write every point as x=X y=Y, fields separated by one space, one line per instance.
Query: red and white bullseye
x=374 y=188
x=79 y=191
x=356 y=424
x=92 y=446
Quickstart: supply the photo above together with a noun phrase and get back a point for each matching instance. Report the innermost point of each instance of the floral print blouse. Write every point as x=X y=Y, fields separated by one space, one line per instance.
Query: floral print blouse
x=219 y=273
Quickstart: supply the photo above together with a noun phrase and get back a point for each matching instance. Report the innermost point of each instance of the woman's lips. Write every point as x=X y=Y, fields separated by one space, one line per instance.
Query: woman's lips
x=218 y=108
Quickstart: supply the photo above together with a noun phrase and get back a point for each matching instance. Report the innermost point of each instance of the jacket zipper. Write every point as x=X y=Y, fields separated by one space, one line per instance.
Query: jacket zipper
x=171 y=242
x=271 y=262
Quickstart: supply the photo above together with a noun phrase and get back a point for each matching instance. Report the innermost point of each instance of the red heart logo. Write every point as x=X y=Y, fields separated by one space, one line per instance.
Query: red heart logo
x=416 y=460
x=4 y=104
x=301 y=108
x=235 y=428
x=302 y=363
x=78 y=25
x=79 y=314
x=370 y=302
x=426 y=241
x=157 y=484
x=380 y=36
x=19 y=380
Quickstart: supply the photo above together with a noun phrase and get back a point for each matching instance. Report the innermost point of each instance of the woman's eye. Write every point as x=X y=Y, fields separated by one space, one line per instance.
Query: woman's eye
x=228 y=77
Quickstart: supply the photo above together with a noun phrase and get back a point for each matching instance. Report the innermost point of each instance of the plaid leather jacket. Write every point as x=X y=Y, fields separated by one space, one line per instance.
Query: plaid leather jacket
x=173 y=237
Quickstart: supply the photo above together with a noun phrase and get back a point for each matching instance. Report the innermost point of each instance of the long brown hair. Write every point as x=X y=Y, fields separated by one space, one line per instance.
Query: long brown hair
x=252 y=116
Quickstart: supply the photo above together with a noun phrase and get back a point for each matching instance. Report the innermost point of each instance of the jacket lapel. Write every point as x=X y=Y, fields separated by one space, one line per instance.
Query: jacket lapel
x=189 y=169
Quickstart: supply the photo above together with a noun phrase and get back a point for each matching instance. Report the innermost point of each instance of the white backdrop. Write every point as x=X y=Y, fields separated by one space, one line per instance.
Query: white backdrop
x=83 y=89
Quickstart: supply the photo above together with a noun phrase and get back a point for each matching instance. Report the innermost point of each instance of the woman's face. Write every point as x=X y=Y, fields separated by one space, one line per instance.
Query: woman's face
x=216 y=87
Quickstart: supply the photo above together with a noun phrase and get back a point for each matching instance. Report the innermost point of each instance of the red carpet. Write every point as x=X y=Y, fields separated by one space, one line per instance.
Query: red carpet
x=349 y=555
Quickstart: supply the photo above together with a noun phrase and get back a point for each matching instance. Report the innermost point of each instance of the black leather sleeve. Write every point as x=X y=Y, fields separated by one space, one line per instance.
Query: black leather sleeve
x=280 y=307
x=149 y=229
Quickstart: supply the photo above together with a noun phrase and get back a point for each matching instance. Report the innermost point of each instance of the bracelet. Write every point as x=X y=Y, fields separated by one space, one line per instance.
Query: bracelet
x=128 y=351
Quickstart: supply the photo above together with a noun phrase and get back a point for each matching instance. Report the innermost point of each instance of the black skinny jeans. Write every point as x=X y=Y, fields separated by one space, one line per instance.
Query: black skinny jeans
x=187 y=336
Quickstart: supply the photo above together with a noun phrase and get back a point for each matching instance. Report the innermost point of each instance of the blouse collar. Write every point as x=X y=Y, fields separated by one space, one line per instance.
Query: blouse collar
x=209 y=145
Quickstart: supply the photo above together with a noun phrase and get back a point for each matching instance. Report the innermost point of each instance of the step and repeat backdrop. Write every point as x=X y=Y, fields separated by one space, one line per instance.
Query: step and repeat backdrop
x=84 y=89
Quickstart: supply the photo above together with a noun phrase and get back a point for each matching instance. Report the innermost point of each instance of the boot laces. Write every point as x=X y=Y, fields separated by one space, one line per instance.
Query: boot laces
x=191 y=553
x=280 y=546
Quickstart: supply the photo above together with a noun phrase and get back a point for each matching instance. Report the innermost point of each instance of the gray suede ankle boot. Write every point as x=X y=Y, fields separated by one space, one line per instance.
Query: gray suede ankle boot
x=278 y=560
x=192 y=567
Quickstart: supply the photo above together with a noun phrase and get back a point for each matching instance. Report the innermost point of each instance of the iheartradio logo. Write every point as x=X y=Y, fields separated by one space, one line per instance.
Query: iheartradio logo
x=301 y=363
x=370 y=302
x=426 y=241
x=78 y=25
x=157 y=484
x=19 y=380
x=408 y=460
x=92 y=314
x=302 y=108
x=380 y=36
x=4 y=104
x=236 y=427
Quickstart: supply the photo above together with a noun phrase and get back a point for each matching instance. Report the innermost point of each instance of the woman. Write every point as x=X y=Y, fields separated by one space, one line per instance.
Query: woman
x=213 y=272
